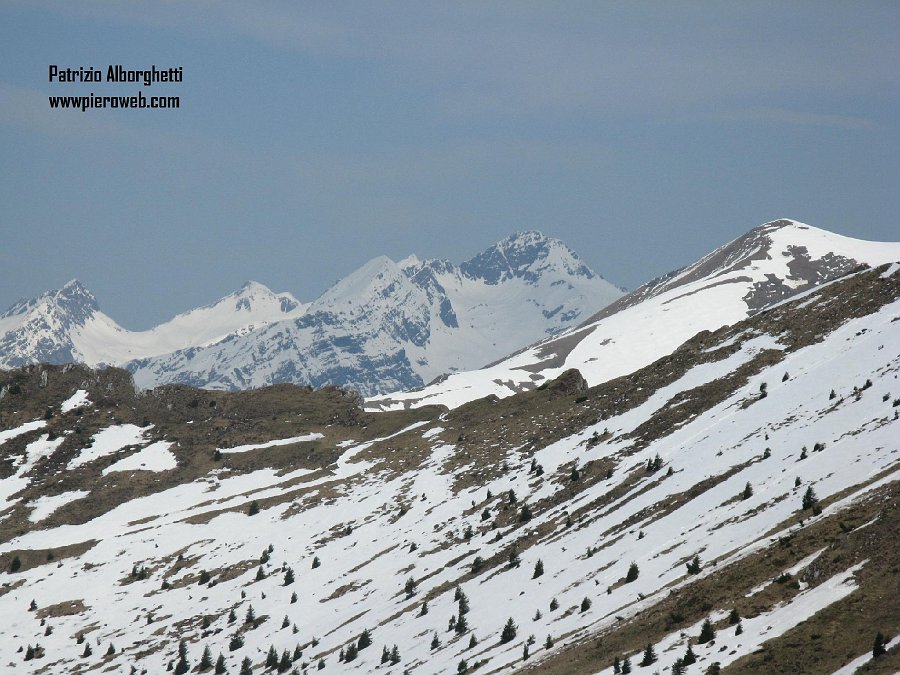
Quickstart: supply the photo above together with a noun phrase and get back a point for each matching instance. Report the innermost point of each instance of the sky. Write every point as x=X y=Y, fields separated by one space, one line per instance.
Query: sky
x=312 y=137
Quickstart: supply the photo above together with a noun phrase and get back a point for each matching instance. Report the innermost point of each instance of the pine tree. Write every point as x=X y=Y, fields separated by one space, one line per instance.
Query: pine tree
x=649 y=656
x=878 y=648
x=206 y=661
x=284 y=664
x=254 y=508
x=182 y=666
x=315 y=562
x=272 y=657
x=525 y=515
x=385 y=654
x=689 y=656
x=734 y=617
x=626 y=666
x=251 y=615
x=707 y=632
x=321 y=665
x=548 y=643
x=554 y=605
x=739 y=629
x=410 y=587
x=512 y=497
x=463 y=603
x=514 y=560
x=87 y=650
x=693 y=567
x=298 y=653
x=678 y=667
x=289 y=576
x=395 y=655
x=809 y=498
x=462 y=668
x=748 y=491
x=633 y=572
x=365 y=639
x=435 y=641
x=246 y=667
x=236 y=642
x=585 y=604
x=424 y=609
x=714 y=669
x=538 y=569
x=260 y=573
x=508 y=634
x=293 y=598
x=112 y=650
x=220 y=665
x=617 y=668
x=525 y=652
x=462 y=625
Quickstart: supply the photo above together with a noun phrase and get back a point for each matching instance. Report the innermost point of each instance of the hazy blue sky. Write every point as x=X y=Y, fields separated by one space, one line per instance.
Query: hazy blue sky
x=314 y=136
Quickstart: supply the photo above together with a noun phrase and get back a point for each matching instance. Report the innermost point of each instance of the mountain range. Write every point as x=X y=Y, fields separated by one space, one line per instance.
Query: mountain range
x=386 y=326
x=722 y=498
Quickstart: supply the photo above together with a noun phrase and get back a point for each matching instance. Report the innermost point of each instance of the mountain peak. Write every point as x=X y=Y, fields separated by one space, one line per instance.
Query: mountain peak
x=524 y=255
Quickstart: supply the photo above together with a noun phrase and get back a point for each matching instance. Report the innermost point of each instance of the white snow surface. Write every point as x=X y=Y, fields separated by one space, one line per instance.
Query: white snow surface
x=42 y=507
x=77 y=400
x=108 y=441
x=155 y=457
x=637 y=335
x=271 y=444
x=360 y=581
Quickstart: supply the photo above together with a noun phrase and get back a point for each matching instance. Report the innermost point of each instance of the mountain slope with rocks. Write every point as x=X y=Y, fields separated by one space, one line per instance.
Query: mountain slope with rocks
x=770 y=263
x=732 y=502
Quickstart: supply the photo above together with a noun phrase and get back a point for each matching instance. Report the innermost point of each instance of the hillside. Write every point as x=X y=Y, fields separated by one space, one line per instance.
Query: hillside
x=752 y=467
x=384 y=327
x=770 y=263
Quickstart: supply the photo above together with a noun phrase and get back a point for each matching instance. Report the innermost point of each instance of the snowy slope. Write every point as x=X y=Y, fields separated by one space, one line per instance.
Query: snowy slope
x=397 y=506
x=389 y=326
x=769 y=263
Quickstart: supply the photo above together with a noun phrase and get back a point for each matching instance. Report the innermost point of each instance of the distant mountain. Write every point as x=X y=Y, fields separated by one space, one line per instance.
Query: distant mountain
x=772 y=262
x=387 y=326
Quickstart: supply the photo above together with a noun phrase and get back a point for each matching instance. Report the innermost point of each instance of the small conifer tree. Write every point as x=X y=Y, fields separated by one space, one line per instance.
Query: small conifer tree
x=365 y=639
x=395 y=655
x=538 y=569
x=548 y=643
x=289 y=576
x=435 y=641
x=748 y=491
x=246 y=667
x=236 y=642
x=707 y=632
x=585 y=604
x=734 y=617
x=315 y=562
x=472 y=641
x=649 y=656
x=182 y=666
x=878 y=648
x=689 y=656
x=220 y=668
x=693 y=567
x=626 y=666
x=206 y=661
x=554 y=604
x=633 y=572
x=508 y=634
x=810 y=500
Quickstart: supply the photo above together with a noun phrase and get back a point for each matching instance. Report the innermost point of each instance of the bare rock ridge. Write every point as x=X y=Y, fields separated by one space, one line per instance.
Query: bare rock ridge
x=386 y=326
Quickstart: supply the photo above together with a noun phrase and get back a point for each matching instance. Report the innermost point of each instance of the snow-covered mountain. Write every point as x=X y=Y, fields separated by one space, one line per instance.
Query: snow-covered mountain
x=749 y=477
x=386 y=326
x=772 y=262
x=67 y=326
